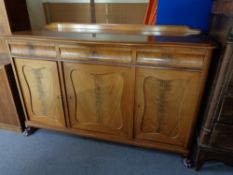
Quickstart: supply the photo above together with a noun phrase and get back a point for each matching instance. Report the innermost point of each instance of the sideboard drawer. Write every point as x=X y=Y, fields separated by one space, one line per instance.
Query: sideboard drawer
x=226 y=113
x=182 y=60
x=103 y=54
x=33 y=50
x=222 y=136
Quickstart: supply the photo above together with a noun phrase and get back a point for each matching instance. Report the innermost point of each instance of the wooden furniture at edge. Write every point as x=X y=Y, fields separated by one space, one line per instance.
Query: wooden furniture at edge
x=11 y=113
x=13 y=17
x=10 y=106
x=140 y=93
x=216 y=137
x=215 y=142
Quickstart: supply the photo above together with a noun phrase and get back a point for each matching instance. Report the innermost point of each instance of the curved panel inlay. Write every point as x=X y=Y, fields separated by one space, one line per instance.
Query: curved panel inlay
x=167 y=96
x=39 y=88
x=95 y=101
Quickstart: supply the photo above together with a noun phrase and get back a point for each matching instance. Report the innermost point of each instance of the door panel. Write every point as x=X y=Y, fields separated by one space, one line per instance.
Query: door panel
x=165 y=106
x=100 y=98
x=40 y=86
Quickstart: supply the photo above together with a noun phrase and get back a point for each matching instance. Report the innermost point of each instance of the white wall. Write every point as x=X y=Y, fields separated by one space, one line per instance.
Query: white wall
x=36 y=12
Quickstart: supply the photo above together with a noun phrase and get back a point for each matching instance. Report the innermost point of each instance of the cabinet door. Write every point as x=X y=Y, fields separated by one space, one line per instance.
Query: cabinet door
x=100 y=98
x=40 y=87
x=166 y=104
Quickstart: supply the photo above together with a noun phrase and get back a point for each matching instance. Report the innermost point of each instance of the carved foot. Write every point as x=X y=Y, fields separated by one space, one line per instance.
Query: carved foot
x=188 y=162
x=28 y=131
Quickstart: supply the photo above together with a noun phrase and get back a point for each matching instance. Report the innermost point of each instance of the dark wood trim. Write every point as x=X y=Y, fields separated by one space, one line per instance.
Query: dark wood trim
x=223 y=7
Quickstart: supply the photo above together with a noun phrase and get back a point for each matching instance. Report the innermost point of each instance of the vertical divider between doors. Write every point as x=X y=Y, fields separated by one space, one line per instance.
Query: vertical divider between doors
x=134 y=55
x=63 y=87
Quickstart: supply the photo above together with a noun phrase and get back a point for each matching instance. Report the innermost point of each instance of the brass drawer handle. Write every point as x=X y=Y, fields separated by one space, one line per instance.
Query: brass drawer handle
x=93 y=52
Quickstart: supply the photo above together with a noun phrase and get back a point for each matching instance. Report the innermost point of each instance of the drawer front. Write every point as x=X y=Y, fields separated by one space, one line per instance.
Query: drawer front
x=222 y=136
x=33 y=50
x=103 y=54
x=172 y=58
x=226 y=113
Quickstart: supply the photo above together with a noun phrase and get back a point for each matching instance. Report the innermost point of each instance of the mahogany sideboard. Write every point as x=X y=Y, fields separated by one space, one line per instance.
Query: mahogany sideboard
x=11 y=114
x=127 y=88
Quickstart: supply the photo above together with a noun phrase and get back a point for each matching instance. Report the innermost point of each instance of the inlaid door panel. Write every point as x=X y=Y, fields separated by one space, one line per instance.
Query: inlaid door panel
x=100 y=98
x=40 y=87
x=166 y=101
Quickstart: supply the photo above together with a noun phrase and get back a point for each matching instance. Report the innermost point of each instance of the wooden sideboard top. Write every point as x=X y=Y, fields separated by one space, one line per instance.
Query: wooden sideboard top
x=123 y=34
